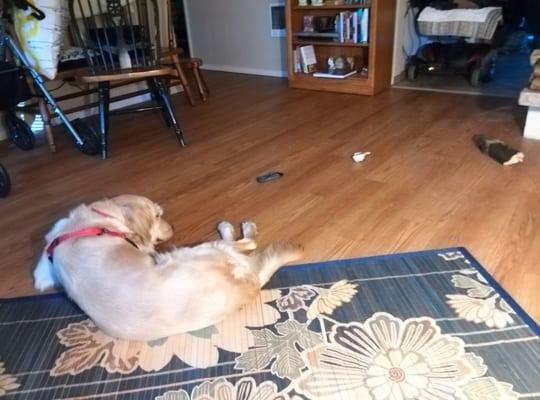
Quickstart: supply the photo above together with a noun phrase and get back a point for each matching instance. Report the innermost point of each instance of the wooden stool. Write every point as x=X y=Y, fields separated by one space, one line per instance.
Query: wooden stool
x=194 y=64
x=170 y=57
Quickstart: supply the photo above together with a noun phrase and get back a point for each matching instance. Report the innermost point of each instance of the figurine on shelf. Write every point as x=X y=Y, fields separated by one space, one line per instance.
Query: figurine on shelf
x=303 y=3
x=350 y=63
x=317 y=3
x=331 y=64
x=340 y=63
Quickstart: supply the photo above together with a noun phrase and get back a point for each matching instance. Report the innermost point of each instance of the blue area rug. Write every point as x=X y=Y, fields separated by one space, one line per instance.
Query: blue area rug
x=426 y=325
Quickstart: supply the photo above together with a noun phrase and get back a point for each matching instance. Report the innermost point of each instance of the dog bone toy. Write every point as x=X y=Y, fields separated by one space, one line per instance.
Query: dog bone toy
x=360 y=156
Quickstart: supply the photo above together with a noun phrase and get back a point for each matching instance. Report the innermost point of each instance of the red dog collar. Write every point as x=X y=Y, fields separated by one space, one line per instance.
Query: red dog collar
x=86 y=232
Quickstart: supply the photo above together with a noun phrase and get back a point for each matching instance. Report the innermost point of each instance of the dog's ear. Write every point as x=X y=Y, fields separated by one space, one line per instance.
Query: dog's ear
x=139 y=220
x=108 y=208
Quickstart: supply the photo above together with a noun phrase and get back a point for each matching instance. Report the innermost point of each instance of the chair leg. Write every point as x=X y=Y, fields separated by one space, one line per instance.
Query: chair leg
x=167 y=106
x=46 y=116
x=200 y=85
x=183 y=79
x=205 y=85
x=157 y=98
x=104 y=100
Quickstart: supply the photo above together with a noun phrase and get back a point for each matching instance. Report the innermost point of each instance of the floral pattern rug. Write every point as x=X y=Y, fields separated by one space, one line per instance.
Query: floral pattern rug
x=428 y=325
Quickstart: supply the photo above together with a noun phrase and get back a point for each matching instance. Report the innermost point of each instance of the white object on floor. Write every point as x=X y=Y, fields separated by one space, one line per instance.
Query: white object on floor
x=531 y=99
x=532 y=126
x=360 y=156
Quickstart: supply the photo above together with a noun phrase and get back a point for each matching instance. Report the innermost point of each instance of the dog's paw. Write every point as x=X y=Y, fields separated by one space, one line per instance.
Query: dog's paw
x=226 y=230
x=249 y=229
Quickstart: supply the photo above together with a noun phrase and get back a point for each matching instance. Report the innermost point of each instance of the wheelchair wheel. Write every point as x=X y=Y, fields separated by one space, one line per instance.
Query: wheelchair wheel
x=90 y=142
x=412 y=72
x=19 y=132
x=5 y=182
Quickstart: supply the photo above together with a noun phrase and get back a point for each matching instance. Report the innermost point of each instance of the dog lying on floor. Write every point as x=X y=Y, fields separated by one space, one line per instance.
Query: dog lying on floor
x=103 y=255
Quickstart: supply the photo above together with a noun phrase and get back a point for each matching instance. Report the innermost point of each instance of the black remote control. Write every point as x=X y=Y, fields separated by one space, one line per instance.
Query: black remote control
x=270 y=176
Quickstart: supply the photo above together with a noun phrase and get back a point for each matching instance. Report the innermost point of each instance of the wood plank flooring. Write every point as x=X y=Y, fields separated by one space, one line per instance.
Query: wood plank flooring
x=425 y=185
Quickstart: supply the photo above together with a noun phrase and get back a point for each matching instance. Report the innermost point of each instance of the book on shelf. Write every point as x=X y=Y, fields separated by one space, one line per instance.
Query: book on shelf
x=297 y=60
x=363 y=20
x=308 y=59
x=335 y=74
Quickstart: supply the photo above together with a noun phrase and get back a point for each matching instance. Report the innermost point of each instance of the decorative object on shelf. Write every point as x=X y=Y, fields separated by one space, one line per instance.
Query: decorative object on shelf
x=331 y=64
x=351 y=62
x=303 y=3
x=338 y=68
x=325 y=23
x=317 y=3
x=308 y=23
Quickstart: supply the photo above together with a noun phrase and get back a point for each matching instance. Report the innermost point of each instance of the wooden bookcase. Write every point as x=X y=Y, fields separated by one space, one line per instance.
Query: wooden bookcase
x=376 y=55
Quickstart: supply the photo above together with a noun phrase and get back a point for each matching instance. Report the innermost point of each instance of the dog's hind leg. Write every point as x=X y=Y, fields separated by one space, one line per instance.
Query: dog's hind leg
x=226 y=231
x=228 y=235
x=249 y=230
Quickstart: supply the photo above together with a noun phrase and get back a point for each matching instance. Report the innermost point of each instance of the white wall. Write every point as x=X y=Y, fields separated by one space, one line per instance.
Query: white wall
x=406 y=42
x=234 y=35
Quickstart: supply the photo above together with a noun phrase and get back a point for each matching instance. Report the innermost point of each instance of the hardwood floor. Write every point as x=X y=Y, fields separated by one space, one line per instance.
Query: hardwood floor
x=425 y=185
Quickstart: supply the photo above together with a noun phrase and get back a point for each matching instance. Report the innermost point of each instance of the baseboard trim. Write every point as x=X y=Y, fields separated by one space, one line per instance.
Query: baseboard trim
x=243 y=70
x=398 y=78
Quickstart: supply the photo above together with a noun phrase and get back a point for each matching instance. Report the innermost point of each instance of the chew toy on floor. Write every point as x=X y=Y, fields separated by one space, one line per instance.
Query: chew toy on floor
x=498 y=150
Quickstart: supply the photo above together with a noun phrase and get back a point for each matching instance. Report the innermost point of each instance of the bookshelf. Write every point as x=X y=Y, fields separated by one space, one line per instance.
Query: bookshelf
x=375 y=54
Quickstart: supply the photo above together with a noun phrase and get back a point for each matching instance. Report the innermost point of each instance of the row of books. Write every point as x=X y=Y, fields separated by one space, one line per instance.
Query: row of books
x=353 y=26
x=305 y=59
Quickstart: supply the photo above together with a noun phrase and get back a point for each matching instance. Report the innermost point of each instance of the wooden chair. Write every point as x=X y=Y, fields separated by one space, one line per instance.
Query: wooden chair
x=179 y=63
x=114 y=33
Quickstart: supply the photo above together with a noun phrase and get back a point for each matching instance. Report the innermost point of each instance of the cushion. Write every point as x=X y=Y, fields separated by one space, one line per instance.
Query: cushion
x=41 y=40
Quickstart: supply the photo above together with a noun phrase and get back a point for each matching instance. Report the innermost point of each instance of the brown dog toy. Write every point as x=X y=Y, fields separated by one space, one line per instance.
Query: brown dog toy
x=498 y=150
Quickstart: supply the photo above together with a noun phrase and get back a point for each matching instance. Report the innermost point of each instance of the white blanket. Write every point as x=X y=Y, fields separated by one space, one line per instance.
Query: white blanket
x=481 y=15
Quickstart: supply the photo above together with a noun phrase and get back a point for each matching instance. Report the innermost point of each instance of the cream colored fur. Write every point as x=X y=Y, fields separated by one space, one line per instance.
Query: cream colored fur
x=134 y=293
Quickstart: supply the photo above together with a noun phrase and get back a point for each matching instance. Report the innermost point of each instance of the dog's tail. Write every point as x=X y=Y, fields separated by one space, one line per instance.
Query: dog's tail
x=274 y=257
x=44 y=275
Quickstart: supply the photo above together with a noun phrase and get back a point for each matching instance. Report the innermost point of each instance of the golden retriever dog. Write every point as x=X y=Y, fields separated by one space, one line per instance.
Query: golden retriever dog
x=103 y=255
